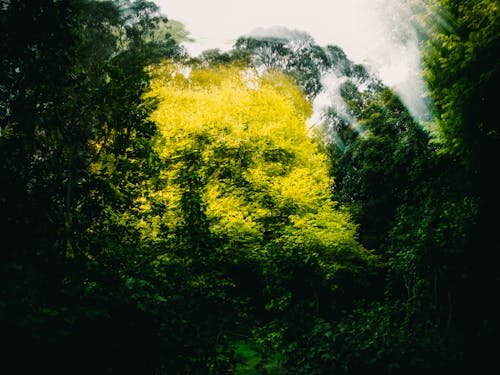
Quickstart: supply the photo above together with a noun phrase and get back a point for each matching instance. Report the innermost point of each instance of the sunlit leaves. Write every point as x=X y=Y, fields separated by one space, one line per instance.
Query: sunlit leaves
x=260 y=174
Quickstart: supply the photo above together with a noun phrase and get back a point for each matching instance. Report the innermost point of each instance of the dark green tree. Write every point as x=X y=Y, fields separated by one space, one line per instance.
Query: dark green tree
x=295 y=54
x=462 y=67
x=75 y=140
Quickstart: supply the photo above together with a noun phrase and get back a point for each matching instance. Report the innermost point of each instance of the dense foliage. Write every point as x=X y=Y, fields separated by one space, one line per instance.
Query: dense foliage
x=247 y=185
x=76 y=149
x=158 y=213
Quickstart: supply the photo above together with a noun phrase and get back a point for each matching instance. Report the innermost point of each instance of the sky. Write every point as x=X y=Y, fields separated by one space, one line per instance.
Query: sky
x=352 y=24
x=367 y=30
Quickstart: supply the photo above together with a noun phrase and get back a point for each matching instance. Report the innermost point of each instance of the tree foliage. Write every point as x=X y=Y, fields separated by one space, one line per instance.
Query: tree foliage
x=463 y=72
x=236 y=145
x=427 y=208
x=75 y=140
x=155 y=213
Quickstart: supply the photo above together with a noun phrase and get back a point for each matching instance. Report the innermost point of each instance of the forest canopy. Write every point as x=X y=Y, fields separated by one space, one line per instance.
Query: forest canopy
x=168 y=214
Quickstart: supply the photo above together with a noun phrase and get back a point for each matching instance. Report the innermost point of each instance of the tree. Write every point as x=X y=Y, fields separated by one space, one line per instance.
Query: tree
x=75 y=140
x=429 y=210
x=235 y=144
x=462 y=69
x=293 y=52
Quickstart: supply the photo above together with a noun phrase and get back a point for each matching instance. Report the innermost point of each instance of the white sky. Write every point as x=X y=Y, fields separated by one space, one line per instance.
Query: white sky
x=351 y=24
x=364 y=29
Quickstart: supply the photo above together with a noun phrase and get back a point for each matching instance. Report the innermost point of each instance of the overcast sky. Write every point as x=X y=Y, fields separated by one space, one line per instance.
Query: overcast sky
x=364 y=29
x=352 y=24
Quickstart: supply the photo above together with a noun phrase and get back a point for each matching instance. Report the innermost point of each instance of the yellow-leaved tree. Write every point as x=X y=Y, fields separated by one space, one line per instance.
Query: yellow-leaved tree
x=244 y=178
